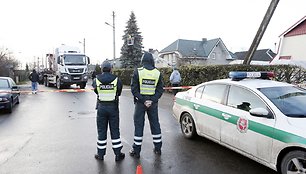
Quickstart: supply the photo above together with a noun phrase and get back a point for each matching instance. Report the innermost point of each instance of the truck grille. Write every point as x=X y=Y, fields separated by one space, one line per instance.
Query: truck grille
x=75 y=70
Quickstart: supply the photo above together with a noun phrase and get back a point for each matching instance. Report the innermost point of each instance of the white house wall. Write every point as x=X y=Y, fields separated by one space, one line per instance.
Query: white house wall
x=170 y=59
x=218 y=56
x=294 y=46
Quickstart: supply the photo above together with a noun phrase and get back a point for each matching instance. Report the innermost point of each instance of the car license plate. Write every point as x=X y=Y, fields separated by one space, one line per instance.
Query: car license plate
x=76 y=78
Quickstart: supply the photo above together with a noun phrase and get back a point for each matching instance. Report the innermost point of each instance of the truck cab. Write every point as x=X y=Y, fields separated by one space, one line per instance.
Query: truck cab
x=68 y=66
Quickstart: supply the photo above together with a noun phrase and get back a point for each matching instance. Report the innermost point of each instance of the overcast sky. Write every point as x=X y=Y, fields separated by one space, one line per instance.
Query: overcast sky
x=32 y=28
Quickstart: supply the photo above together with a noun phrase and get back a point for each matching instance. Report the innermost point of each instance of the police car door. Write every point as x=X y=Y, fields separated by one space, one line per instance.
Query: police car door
x=244 y=131
x=207 y=111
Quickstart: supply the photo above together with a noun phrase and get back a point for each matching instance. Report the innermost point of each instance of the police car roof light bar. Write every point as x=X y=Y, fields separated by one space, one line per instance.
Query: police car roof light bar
x=239 y=75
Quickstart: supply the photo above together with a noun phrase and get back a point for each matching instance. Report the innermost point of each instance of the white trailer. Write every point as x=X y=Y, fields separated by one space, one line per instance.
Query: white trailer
x=67 y=66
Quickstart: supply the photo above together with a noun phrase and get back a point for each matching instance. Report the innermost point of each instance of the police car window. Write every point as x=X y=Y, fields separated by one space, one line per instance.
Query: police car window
x=214 y=92
x=198 y=92
x=244 y=99
x=290 y=100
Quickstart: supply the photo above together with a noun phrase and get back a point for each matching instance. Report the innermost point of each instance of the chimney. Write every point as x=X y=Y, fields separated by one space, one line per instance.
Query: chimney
x=204 y=40
x=150 y=50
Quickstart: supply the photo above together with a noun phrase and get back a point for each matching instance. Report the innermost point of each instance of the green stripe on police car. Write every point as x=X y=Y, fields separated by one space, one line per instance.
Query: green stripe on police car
x=268 y=131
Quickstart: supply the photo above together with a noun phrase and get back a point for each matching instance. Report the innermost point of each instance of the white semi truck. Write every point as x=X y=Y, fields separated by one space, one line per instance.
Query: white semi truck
x=66 y=66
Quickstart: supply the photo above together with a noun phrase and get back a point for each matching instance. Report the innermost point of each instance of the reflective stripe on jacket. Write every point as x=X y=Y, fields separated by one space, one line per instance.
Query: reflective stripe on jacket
x=107 y=92
x=148 y=80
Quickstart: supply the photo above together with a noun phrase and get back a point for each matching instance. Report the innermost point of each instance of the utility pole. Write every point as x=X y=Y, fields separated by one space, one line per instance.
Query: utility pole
x=261 y=31
x=114 y=39
x=114 y=35
x=84 y=45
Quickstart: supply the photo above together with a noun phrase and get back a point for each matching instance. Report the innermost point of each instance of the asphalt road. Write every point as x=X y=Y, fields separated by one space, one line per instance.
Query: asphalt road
x=53 y=132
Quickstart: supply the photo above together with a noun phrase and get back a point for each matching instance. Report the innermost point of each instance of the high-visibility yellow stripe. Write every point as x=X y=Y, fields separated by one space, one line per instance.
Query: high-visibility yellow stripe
x=107 y=94
x=148 y=80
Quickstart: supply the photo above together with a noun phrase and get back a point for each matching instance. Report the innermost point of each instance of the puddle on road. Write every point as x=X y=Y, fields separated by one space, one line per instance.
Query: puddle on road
x=86 y=112
x=81 y=114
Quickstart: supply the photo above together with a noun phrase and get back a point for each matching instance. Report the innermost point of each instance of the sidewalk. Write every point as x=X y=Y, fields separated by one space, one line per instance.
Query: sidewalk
x=25 y=86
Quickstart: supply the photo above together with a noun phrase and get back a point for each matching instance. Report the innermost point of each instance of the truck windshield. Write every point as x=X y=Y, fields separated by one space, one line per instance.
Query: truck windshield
x=290 y=100
x=75 y=60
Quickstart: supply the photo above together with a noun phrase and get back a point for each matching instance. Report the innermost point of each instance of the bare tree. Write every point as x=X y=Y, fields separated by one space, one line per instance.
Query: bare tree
x=7 y=63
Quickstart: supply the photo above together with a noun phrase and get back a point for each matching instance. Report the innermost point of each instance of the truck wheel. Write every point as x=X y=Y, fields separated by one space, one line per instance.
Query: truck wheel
x=83 y=85
x=48 y=83
x=294 y=162
x=45 y=81
x=58 y=83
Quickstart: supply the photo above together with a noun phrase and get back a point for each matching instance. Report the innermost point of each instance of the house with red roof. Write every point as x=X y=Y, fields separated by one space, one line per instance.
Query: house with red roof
x=292 y=46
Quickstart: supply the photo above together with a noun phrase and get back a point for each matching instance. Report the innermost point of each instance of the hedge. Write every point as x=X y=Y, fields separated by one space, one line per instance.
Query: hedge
x=193 y=75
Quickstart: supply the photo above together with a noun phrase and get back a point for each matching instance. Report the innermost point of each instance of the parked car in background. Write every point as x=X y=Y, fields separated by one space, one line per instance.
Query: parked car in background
x=9 y=93
x=259 y=118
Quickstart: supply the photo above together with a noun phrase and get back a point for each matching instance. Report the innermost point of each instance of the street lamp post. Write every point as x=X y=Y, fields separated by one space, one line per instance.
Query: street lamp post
x=113 y=26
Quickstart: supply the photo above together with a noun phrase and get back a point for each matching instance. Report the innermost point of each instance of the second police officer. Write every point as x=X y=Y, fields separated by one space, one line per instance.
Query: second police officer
x=108 y=87
x=147 y=88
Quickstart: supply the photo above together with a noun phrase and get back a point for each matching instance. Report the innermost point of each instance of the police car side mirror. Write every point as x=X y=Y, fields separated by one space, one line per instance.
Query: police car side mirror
x=260 y=112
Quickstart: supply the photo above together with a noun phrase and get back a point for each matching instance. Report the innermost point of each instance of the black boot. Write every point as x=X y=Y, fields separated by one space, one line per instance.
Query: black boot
x=157 y=151
x=120 y=157
x=99 y=157
x=134 y=154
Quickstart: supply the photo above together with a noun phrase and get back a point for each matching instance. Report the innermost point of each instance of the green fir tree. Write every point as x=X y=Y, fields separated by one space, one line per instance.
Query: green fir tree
x=131 y=51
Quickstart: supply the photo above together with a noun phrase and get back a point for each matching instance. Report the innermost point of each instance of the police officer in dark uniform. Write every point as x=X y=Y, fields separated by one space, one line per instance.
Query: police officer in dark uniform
x=108 y=87
x=147 y=87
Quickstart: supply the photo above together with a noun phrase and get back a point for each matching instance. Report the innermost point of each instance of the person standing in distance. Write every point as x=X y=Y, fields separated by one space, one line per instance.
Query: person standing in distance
x=108 y=87
x=34 y=77
x=147 y=87
x=175 y=79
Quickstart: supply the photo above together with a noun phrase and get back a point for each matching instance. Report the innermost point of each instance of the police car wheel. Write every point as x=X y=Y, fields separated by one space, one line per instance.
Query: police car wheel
x=187 y=126
x=294 y=162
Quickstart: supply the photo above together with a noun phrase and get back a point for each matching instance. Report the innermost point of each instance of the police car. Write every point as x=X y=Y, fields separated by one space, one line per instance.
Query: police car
x=262 y=119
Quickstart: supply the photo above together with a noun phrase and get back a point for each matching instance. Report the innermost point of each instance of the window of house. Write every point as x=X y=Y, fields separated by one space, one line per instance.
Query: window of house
x=213 y=55
x=173 y=58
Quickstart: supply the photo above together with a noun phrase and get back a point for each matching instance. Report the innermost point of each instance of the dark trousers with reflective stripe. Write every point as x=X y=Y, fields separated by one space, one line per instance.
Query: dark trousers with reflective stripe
x=139 y=120
x=108 y=115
